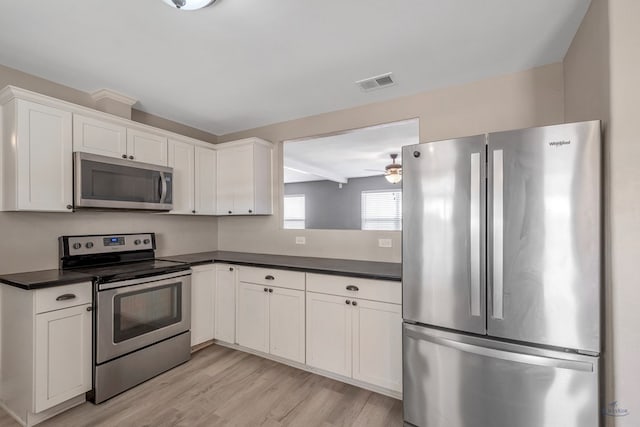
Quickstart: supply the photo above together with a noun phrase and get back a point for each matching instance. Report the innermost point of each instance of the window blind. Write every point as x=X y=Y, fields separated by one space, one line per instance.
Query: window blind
x=294 y=212
x=382 y=210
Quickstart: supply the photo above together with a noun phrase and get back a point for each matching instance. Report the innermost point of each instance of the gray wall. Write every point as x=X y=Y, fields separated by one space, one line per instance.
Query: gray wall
x=327 y=206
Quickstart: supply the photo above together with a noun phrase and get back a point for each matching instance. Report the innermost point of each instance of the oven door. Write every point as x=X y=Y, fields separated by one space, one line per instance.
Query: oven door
x=136 y=313
x=105 y=182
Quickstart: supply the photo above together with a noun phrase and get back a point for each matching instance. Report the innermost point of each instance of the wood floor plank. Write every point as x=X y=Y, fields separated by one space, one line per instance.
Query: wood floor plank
x=222 y=387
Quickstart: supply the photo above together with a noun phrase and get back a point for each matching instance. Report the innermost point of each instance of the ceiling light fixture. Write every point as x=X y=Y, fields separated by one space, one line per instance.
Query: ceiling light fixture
x=393 y=172
x=189 y=4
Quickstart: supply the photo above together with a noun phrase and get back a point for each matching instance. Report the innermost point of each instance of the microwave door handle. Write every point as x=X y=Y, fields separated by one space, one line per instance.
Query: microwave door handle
x=163 y=187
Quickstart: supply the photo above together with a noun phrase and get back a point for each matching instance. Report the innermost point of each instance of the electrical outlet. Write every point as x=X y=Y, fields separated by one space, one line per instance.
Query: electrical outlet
x=301 y=240
x=384 y=243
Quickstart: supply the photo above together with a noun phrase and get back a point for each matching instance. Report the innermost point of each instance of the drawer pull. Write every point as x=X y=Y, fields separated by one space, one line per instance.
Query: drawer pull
x=266 y=290
x=65 y=297
x=354 y=303
x=270 y=290
x=347 y=302
x=269 y=277
x=352 y=288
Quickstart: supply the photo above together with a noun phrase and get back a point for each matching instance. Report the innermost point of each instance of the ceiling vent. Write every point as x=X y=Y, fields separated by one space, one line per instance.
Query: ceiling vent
x=377 y=82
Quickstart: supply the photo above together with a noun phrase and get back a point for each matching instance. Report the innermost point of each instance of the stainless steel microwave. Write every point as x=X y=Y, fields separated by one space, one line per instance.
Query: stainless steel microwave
x=109 y=183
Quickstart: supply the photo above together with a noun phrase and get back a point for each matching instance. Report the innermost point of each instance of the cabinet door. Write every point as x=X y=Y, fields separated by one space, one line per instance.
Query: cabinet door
x=203 y=280
x=146 y=147
x=99 y=137
x=181 y=159
x=225 y=303
x=243 y=200
x=205 y=181
x=329 y=333
x=62 y=356
x=253 y=316
x=286 y=324
x=377 y=344
x=44 y=159
x=235 y=180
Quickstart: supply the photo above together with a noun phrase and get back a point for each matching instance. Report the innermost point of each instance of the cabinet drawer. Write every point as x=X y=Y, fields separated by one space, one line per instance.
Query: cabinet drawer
x=47 y=299
x=272 y=277
x=375 y=290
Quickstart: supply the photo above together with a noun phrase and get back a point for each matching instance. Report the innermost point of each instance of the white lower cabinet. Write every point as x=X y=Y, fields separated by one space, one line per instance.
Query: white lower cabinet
x=329 y=333
x=62 y=356
x=253 y=317
x=356 y=337
x=203 y=285
x=377 y=344
x=271 y=319
x=46 y=350
x=225 y=303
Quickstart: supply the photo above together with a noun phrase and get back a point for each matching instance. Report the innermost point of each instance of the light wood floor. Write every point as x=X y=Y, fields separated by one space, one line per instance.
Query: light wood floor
x=224 y=387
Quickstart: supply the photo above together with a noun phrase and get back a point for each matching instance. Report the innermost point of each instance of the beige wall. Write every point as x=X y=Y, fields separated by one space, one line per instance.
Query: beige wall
x=601 y=81
x=10 y=76
x=530 y=98
x=624 y=199
x=29 y=240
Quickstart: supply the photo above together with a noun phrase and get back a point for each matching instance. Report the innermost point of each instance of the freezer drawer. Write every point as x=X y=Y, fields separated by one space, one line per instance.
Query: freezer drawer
x=453 y=380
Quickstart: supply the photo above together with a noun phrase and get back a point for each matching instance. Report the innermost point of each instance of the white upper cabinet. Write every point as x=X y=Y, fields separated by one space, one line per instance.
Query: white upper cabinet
x=146 y=147
x=194 y=178
x=110 y=138
x=244 y=177
x=37 y=162
x=91 y=135
x=181 y=159
x=205 y=180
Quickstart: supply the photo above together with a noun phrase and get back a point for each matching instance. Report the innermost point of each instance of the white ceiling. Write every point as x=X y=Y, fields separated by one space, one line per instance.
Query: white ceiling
x=354 y=154
x=244 y=63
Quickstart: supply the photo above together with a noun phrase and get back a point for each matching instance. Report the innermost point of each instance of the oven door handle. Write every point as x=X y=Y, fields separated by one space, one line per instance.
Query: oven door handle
x=148 y=280
x=163 y=187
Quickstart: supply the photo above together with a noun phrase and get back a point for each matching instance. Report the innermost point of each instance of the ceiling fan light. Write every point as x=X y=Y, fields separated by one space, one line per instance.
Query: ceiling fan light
x=394 y=175
x=189 y=4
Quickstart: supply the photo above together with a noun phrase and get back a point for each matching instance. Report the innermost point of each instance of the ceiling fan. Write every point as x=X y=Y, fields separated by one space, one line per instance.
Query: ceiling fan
x=393 y=171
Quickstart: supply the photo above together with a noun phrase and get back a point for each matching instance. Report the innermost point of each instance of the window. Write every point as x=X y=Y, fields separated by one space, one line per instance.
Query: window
x=382 y=210
x=294 y=211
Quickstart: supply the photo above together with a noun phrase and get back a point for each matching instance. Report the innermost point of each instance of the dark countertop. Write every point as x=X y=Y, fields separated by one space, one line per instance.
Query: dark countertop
x=44 y=279
x=341 y=267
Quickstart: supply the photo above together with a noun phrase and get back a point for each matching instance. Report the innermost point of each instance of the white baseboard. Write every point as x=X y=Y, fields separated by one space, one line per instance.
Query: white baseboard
x=33 y=419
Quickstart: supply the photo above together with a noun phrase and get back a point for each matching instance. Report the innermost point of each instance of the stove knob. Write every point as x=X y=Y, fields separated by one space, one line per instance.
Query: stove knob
x=147 y=241
x=89 y=245
x=77 y=246
x=137 y=242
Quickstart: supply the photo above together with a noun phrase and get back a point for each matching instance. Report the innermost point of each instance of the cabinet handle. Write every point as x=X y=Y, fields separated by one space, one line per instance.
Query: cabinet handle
x=90 y=308
x=230 y=268
x=229 y=211
x=269 y=277
x=354 y=302
x=347 y=302
x=69 y=207
x=352 y=288
x=266 y=290
x=270 y=290
x=130 y=157
x=124 y=156
x=65 y=297
x=250 y=211
x=193 y=211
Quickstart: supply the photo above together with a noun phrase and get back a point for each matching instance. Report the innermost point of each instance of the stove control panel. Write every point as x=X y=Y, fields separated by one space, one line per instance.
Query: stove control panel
x=100 y=244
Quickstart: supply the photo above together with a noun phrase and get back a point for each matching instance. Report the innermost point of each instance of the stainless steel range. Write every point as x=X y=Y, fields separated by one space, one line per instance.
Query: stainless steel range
x=142 y=310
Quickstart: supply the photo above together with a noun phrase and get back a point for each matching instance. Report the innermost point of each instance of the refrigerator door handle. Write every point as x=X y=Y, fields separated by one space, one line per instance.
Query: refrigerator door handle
x=510 y=356
x=474 y=232
x=498 y=232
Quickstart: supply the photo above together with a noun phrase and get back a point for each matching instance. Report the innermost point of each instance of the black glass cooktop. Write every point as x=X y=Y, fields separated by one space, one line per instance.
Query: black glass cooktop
x=132 y=270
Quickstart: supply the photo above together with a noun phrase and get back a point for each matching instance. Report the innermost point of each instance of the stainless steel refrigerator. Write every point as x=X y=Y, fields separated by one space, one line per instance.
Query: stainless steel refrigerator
x=502 y=273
